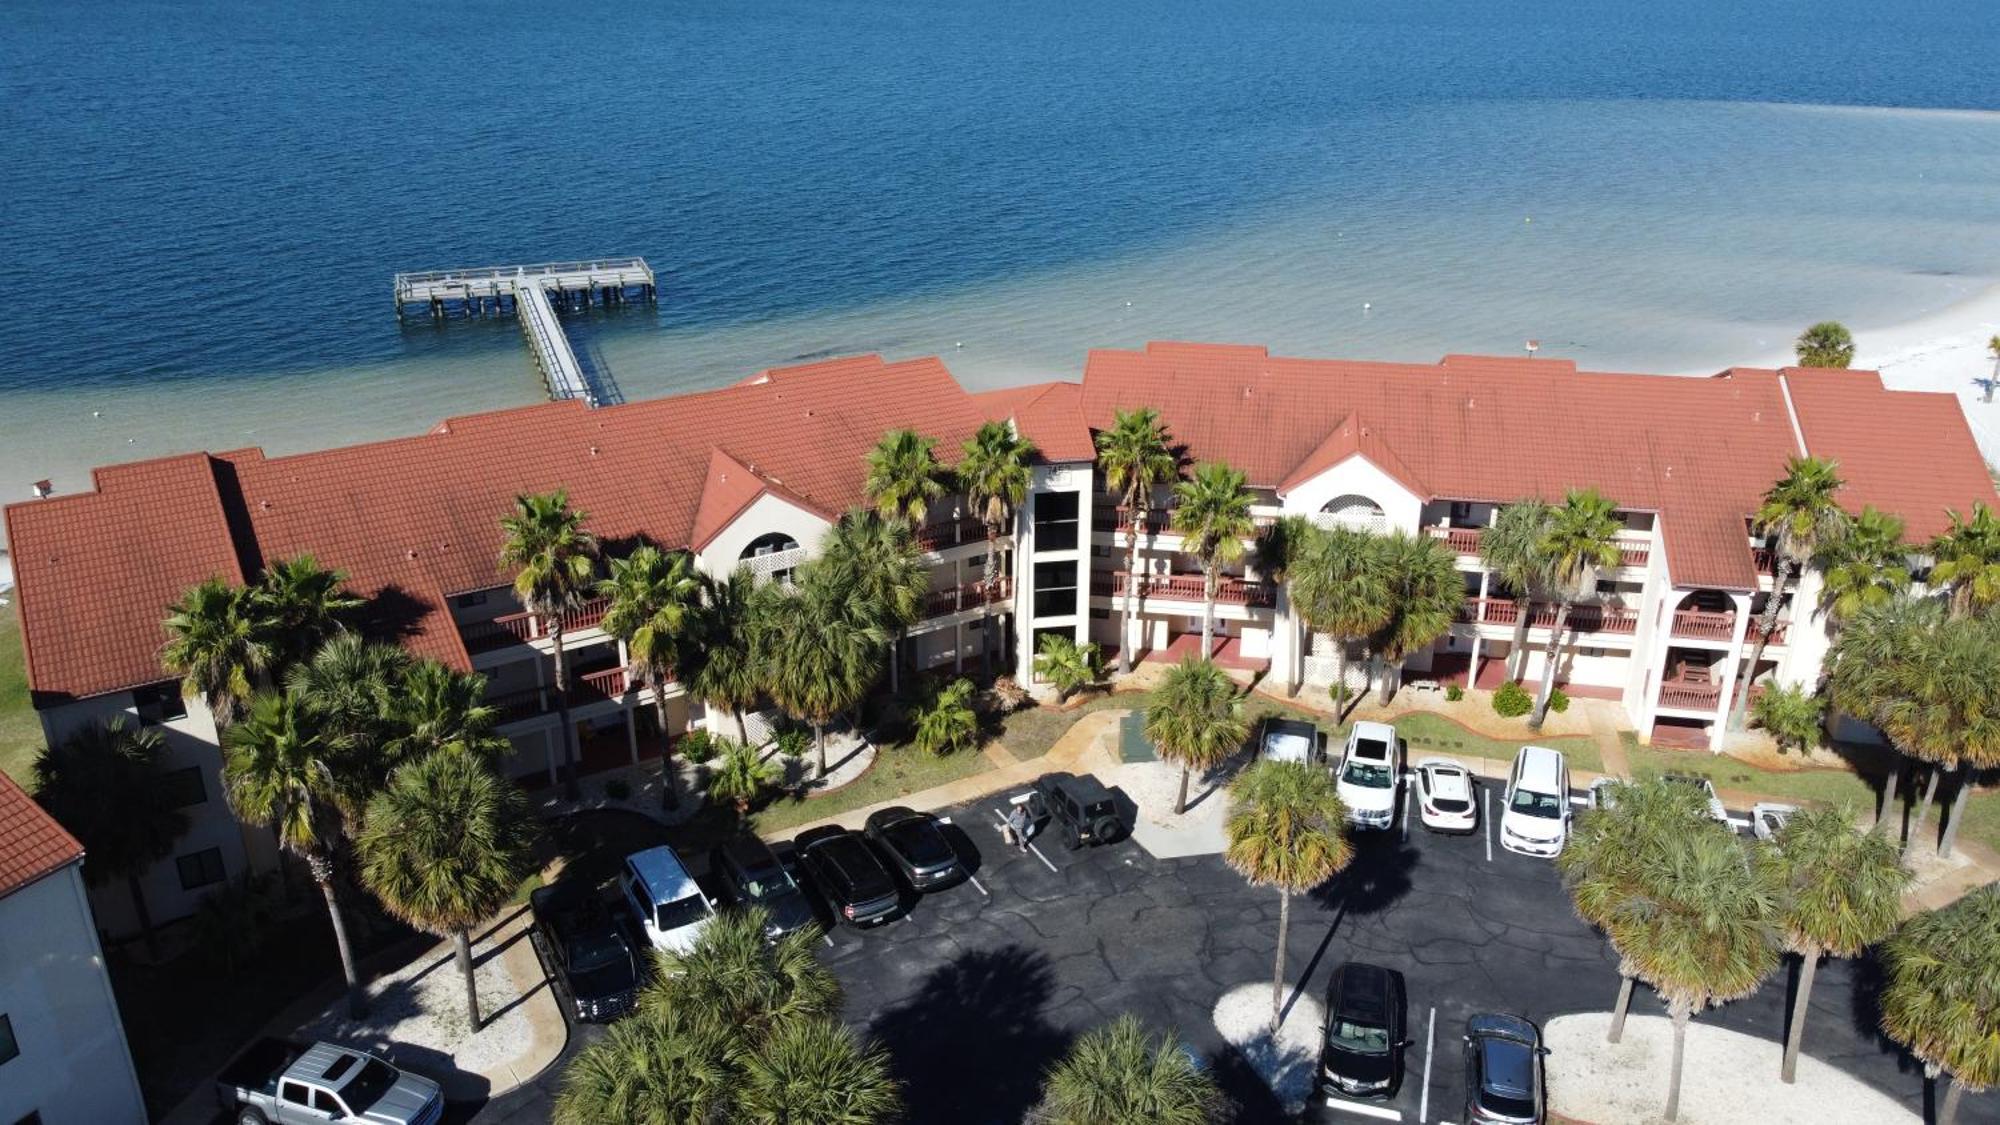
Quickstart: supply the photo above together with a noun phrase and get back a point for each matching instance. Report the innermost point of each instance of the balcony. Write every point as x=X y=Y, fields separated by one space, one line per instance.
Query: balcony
x=1160 y=521
x=972 y=595
x=520 y=628
x=957 y=533
x=608 y=683
x=1705 y=624
x=1189 y=587
x=1463 y=540
x=1766 y=560
x=1633 y=556
x=1690 y=695
x=513 y=706
x=1582 y=618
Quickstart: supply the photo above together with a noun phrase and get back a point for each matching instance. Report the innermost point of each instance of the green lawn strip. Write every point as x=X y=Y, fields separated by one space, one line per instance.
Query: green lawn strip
x=1824 y=786
x=1430 y=733
x=900 y=769
x=20 y=730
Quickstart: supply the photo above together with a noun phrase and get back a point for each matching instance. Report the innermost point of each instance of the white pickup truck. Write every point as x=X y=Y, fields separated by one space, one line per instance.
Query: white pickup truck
x=279 y=1083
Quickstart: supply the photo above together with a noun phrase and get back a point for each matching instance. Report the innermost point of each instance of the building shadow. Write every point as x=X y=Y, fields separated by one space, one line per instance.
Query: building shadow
x=971 y=1045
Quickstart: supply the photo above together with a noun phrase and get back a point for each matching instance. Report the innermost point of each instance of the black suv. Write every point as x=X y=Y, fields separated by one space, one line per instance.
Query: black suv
x=844 y=869
x=753 y=876
x=1363 y=1052
x=587 y=952
x=1503 y=1071
x=1081 y=808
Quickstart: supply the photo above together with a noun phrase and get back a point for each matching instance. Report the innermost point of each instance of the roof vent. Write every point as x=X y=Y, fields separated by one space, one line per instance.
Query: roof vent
x=42 y=489
x=263 y=505
x=410 y=554
x=593 y=451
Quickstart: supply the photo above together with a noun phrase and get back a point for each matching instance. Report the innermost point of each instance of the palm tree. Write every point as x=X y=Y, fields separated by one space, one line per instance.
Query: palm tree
x=1942 y=1001
x=1993 y=347
x=302 y=604
x=1698 y=929
x=1826 y=344
x=1841 y=891
x=819 y=647
x=1137 y=457
x=1339 y=584
x=1866 y=661
x=1285 y=830
x=1581 y=540
x=447 y=843
x=1071 y=667
x=995 y=477
x=1119 y=1075
x=724 y=672
x=1425 y=595
x=654 y=598
x=218 y=645
x=1614 y=853
x=1868 y=564
x=278 y=770
x=904 y=476
x=739 y=774
x=437 y=708
x=1799 y=516
x=1512 y=550
x=673 y=1066
x=1212 y=513
x=1792 y=715
x=883 y=568
x=752 y=984
x=554 y=559
x=946 y=722
x=1968 y=560
x=352 y=689
x=103 y=785
x=1195 y=719
x=1940 y=702
x=817 y=1071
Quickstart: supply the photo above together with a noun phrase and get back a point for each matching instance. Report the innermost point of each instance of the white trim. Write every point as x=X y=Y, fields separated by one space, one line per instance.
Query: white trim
x=1792 y=414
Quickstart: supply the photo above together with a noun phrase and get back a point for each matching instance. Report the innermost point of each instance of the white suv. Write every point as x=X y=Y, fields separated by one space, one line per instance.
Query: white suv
x=1370 y=769
x=1535 y=820
x=671 y=908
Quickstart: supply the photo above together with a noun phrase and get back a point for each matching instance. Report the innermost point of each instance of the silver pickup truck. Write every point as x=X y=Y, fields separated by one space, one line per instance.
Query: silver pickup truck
x=281 y=1083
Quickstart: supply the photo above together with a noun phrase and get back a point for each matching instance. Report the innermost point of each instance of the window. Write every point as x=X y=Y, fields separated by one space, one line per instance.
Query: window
x=8 y=1046
x=159 y=703
x=294 y=1092
x=183 y=787
x=327 y=1103
x=1055 y=589
x=1055 y=521
x=200 y=869
x=762 y=554
x=469 y=601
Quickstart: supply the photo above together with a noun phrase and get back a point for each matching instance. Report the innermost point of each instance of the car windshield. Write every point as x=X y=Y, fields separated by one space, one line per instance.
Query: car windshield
x=682 y=912
x=1530 y=803
x=1450 y=804
x=766 y=883
x=1368 y=775
x=594 y=951
x=1507 y=1105
x=368 y=1086
x=919 y=841
x=1359 y=1038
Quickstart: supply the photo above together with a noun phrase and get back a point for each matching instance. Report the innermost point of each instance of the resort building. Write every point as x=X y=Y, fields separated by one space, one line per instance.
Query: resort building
x=754 y=474
x=63 y=1059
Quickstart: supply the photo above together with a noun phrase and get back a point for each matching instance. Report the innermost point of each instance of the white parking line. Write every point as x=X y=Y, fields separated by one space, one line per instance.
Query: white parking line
x=1424 y=1102
x=1407 y=802
x=1031 y=843
x=977 y=885
x=1382 y=1113
x=1487 y=820
x=828 y=939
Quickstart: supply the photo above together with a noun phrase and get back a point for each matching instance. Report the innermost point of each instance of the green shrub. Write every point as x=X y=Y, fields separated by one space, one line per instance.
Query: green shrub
x=1340 y=693
x=1453 y=693
x=698 y=746
x=1512 y=701
x=617 y=789
x=1558 y=701
x=793 y=742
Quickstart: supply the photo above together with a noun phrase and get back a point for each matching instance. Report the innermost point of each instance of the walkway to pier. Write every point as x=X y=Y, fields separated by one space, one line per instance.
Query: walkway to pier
x=532 y=293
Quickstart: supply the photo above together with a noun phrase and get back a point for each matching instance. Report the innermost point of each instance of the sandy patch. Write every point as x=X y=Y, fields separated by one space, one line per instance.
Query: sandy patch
x=1727 y=1078
x=1284 y=1061
x=1153 y=786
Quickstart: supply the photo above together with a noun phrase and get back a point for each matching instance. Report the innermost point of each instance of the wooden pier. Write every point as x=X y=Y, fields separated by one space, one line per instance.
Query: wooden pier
x=532 y=294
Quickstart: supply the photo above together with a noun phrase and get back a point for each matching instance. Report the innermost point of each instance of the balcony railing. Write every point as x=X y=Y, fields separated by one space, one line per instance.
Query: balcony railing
x=513 y=706
x=1689 y=695
x=1634 y=556
x=1766 y=560
x=610 y=683
x=1582 y=618
x=520 y=628
x=1705 y=624
x=972 y=595
x=938 y=536
x=1189 y=587
x=1464 y=540
x=1159 y=521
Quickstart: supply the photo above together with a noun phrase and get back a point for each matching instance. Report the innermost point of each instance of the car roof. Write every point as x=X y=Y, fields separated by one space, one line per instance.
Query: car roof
x=1362 y=992
x=1084 y=787
x=1448 y=779
x=895 y=814
x=1539 y=768
x=666 y=878
x=1508 y=1066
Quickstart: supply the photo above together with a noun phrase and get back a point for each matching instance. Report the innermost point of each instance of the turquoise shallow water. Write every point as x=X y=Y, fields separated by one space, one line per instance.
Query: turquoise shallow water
x=200 y=211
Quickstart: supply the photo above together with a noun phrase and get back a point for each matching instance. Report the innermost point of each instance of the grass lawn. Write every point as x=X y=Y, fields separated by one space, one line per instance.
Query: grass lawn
x=1982 y=820
x=899 y=769
x=20 y=730
x=1428 y=733
x=1826 y=786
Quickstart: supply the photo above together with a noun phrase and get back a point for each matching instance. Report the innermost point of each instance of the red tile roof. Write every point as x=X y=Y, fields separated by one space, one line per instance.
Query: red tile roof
x=1050 y=414
x=1700 y=452
x=730 y=488
x=32 y=844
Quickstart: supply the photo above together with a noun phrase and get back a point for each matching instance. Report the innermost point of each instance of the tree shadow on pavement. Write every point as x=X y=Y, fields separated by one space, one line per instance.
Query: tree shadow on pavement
x=1378 y=877
x=972 y=1044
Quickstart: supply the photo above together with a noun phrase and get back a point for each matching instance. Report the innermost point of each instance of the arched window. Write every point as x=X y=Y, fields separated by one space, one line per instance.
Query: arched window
x=1358 y=512
x=773 y=556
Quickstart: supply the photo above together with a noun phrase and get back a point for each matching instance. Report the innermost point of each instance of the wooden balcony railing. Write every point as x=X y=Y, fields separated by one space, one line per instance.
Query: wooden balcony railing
x=1582 y=618
x=1689 y=695
x=610 y=683
x=972 y=595
x=1159 y=521
x=1634 y=556
x=520 y=628
x=1188 y=588
x=513 y=706
x=1766 y=560
x=1464 y=540
x=938 y=536
x=1705 y=624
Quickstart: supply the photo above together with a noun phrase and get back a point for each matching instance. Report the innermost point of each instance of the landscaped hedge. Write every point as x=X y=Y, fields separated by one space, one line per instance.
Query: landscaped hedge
x=1512 y=701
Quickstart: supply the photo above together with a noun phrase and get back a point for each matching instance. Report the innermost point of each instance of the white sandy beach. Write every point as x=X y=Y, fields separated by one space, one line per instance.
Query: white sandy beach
x=1945 y=351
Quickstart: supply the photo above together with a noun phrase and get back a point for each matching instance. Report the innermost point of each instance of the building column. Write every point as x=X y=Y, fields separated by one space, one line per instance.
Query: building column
x=632 y=730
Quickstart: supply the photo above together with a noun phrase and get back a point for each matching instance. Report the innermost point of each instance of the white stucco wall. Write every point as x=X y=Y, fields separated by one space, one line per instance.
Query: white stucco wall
x=765 y=515
x=74 y=1068
x=1360 y=477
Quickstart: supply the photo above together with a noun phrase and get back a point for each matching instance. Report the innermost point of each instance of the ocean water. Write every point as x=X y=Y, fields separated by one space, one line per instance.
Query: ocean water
x=201 y=208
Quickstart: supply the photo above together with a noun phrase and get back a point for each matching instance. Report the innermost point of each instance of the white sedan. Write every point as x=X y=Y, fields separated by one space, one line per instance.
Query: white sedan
x=1444 y=796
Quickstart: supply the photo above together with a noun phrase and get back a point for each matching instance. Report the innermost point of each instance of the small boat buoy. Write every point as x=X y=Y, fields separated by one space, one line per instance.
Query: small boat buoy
x=1366 y=305
x=960 y=344
x=97 y=414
